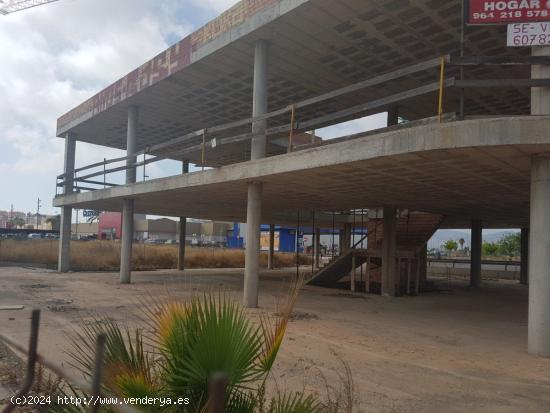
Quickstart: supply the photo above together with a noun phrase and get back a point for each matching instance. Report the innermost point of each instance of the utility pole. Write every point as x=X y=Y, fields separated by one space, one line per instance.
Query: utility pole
x=38 y=211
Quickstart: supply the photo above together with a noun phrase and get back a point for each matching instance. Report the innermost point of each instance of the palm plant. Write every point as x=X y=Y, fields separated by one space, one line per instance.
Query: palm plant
x=189 y=342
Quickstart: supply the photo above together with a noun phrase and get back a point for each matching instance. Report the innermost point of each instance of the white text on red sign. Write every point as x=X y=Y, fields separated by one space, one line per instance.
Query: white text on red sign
x=500 y=11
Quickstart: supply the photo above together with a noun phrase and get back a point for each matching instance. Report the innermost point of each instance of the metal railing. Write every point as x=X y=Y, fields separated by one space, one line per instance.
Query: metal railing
x=464 y=261
x=199 y=139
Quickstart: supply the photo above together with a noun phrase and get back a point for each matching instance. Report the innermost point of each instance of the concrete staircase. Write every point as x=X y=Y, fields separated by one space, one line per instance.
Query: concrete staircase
x=414 y=229
x=337 y=268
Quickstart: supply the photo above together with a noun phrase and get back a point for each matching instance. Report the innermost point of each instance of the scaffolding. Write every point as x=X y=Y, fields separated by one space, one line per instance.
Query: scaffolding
x=12 y=6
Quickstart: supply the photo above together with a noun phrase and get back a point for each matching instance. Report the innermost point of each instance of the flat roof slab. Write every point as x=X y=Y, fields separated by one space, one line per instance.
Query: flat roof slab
x=316 y=46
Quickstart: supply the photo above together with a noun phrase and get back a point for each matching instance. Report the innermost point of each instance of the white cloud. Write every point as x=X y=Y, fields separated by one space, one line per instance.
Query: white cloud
x=351 y=127
x=218 y=5
x=54 y=57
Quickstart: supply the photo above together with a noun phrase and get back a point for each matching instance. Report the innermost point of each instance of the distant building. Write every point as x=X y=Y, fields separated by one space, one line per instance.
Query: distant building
x=29 y=220
x=109 y=226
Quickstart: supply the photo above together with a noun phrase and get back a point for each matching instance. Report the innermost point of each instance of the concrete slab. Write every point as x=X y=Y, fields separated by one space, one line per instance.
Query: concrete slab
x=316 y=46
x=458 y=169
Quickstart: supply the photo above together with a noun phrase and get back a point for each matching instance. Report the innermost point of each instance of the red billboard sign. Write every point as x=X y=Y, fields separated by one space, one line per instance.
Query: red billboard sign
x=507 y=11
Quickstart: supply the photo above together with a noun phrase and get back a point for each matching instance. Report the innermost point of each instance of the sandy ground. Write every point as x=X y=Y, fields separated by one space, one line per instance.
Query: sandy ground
x=448 y=351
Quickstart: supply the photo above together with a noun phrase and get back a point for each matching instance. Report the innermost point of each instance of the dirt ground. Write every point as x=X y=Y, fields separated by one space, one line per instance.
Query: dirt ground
x=447 y=351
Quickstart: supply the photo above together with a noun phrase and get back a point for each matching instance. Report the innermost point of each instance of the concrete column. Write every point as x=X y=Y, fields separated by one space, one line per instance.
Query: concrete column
x=389 y=251
x=259 y=100
x=182 y=227
x=270 y=255
x=317 y=248
x=252 y=252
x=64 y=253
x=475 y=257
x=539 y=232
x=524 y=269
x=131 y=143
x=64 y=260
x=345 y=240
x=128 y=204
x=257 y=151
x=540 y=96
x=127 y=241
x=539 y=258
x=424 y=264
x=393 y=115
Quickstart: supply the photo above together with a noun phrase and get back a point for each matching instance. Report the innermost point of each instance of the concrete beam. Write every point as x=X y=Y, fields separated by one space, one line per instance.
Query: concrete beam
x=483 y=134
x=499 y=196
x=475 y=244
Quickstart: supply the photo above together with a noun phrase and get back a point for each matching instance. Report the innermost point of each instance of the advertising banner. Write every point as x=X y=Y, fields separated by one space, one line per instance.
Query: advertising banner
x=528 y=34
x=504 y=12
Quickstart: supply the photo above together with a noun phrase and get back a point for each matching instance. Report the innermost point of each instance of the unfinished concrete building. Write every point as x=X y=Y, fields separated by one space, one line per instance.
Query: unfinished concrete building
x=466 y=146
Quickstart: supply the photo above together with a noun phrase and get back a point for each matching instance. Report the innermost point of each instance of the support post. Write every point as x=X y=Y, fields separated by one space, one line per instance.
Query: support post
x=271 y=253
x=475 y=259
x=389 y=251
x=127 y=241
x=539 y=259
x=408 y=276
x=524 y=268
x=128 y=204
x=539 y=234
x=367 y=275
x=418 y=270
x=182 y=226
x=422 y=269
x=64 y=260
x=257 y=151
x=540 y=96
x=259 y=101
x=353 y=274
x=393 y=115
x=317 y=248
x=345 y=241
x=252 y=252
x=131 y=144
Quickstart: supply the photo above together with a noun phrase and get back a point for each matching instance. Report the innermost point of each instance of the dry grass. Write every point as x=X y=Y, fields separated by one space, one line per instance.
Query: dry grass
x=105 y=255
